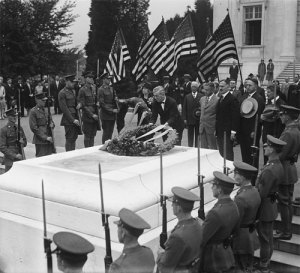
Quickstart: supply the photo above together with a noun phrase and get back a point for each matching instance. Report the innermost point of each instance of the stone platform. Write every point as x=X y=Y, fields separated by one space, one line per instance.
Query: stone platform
x=72 y=194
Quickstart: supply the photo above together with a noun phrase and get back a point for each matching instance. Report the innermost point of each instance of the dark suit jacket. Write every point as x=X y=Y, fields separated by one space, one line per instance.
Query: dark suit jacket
x=227 y=116
x=169 y=114
x=54 y=90
x=9 y=92
x=189 y=105
x=29 y=96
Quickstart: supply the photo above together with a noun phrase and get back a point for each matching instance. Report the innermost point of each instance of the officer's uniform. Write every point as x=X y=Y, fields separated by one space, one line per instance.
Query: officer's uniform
x=267 y=184
x=87 y=98
x=107 y=98
x=71 y=251
x=67 y=103
x=9 y=141
x=220 y=223
x=182 y=249
x=288 y=157
x=247 y=199
x=135 y=259
x=38 y=122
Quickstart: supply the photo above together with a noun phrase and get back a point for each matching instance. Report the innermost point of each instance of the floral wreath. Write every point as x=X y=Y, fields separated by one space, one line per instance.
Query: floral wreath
x=127 y=144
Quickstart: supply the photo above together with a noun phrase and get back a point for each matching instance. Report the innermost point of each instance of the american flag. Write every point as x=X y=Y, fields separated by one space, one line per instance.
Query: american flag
x=182 y=43
x=219 y=47
x=119 y=54
x=152 y=52
x=140 y=68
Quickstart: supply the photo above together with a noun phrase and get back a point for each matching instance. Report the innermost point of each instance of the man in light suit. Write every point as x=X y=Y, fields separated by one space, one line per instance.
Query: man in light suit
x=190 y=104
x=166 y=107
x=208 y=105
x=55 y=87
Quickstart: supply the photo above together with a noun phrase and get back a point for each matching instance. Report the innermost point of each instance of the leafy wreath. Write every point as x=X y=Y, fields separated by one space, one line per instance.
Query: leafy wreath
x=127 y=144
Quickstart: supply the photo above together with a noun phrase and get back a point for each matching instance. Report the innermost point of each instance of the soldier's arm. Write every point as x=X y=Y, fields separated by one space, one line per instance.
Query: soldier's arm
x=266 y=182
x=3 y=148
x=286 y=148
x=63 y=106
x=34 y=126
x=210 y=227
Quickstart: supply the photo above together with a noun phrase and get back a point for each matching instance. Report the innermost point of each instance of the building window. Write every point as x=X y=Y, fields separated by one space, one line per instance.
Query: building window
x=252 y=25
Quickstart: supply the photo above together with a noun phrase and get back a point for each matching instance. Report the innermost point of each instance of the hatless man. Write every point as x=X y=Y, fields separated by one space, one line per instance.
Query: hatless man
x=220 y=223
x=247 y=199
x=267 y=184
x=55 y=87
x=38 y=122
x=71 y=251
x=182 y=247
x=9 y=93
x=261 y=71
x=9 y=140
x=288 y=157
x=134 y=258
x=233 y=71
x=68 y=103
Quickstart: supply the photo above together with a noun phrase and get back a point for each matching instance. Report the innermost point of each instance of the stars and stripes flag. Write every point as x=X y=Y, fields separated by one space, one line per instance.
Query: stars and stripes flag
x=119 y=54
x=219 y=47
x=182 y=43
x=152 y=52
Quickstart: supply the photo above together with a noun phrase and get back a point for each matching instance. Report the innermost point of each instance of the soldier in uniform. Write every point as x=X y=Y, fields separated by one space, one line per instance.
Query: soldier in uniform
x=134 y=258
x=71 y=251
x=267 y=184
x=9 y=138
x=247 y=199
x=288 y=158
x=109 y=107
x=38 y=122
x=219 y=225
x=67 y=104
x=87 y=100
x=182 y=247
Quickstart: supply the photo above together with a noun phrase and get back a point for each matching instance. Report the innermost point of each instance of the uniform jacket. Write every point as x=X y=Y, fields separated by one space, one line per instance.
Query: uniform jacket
x=267 y=184
x=87 y=98
x=107 y=98
x=182 y=246
x=289 y=154
x=219 y=224
x=248 y=201
x=67 y=104
x=208 y=114
x=38 y=122
x=137 y=259
x=169 y=114
x=227 y=115
x=8 y=142
x=189 y=105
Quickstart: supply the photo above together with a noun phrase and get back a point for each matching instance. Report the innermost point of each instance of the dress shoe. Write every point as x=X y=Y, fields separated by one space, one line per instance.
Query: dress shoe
x=282 y=236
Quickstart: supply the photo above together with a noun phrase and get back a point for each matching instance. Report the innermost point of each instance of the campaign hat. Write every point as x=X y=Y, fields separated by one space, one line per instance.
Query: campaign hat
x=70 y=77
x=249 y=107
x=105 y=75
x=270 y=114
x=221 y=179
x=72 y=246
x=287 y=109
x=10 y=112
x=184 y=198
x=275 y=142
x=244 y=169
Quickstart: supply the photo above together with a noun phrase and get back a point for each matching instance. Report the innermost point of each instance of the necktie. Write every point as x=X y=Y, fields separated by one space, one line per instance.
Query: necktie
x=194 y=95
x=221 y=98
x=206 y=100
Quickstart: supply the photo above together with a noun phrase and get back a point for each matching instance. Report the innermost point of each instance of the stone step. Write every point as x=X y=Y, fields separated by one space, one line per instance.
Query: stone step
x=295 y=224
x=282 y=262
x=292 y=246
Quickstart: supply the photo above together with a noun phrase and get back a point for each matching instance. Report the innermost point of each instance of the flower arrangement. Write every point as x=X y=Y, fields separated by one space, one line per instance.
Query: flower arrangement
x=127 y=144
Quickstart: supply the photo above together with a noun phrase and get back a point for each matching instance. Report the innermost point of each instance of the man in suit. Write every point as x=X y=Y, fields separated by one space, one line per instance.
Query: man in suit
x=29 y=95
x=166 y=107
x=261 y=71
x=208 y=106
x=233 y=71
x=9 y=93
x=190 y=105
x=20 y=95
x=55 y=87
x=248 y=123
x=227 y=119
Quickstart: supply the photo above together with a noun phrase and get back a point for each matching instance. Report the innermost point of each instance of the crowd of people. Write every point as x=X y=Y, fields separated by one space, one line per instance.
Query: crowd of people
x=217 y=115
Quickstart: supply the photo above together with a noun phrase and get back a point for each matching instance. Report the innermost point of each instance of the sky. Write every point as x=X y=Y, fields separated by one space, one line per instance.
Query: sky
x=158 y=9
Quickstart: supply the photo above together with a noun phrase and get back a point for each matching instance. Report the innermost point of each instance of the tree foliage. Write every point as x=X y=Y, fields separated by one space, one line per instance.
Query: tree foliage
x=31 y=35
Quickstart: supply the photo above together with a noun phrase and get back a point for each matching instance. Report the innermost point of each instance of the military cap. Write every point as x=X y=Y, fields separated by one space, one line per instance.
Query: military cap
x=223 y=180
x=184 y=197
x=70 y=77
x=105 y=75
x=72 y=246
x=275 y=142
x=40 y=96
x=132 y=222
x=287 y=109
x=88 y=74
x=270 y=114
x=187 y=76
x=243 y=168
x=166 y=77
x=10 y=112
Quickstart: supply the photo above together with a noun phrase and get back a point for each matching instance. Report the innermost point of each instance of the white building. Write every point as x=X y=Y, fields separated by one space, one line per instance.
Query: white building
x=263 y=29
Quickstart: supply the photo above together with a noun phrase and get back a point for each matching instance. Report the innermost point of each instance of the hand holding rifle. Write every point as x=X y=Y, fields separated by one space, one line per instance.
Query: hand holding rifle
x=201 y=213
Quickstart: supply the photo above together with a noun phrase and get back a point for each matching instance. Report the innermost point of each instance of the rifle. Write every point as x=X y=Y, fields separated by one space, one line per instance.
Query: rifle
x=47 y=242
x=49 y=128
x=254 y=147
x=80 y=121
x=105 y=224
x=225 y=169
x=163 y=202
x=20 y=145
x=94 y=90
x=201 y=213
